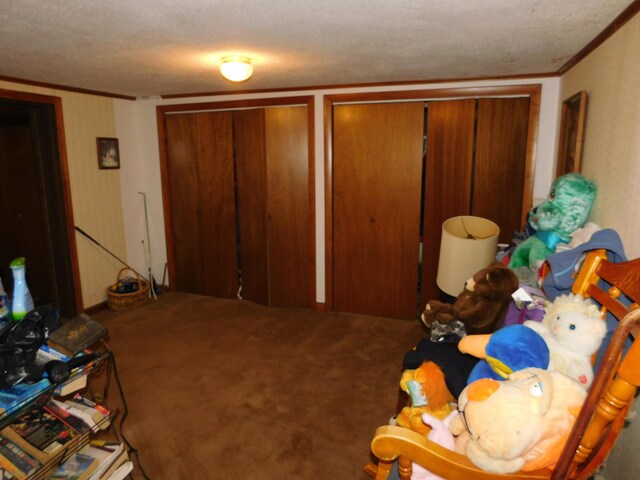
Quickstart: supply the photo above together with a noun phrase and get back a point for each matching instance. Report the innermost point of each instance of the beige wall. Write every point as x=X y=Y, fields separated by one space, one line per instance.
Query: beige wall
x=611 y=76
x=95 y=193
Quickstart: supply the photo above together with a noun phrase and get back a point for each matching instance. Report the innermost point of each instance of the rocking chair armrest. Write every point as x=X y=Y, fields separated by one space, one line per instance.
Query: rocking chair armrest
x=390 y=442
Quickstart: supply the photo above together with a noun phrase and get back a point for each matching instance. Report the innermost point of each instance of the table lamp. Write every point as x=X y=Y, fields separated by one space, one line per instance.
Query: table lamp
x=468 y=244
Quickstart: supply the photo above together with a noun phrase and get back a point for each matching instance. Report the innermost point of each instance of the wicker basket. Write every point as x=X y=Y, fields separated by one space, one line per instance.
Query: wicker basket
x=126 y=301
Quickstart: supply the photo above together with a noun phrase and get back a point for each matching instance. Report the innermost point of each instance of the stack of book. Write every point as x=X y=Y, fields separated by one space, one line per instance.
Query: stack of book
x=99 y=460
x=14 y=398
x=39 y=438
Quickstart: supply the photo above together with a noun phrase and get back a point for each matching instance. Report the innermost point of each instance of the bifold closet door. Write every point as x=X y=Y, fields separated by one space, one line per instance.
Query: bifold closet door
x=377 y=165
x=201 y=189
x=288 y=217
x=501 y=147
x=272 y=168
x=251 y=175
x=448 y=179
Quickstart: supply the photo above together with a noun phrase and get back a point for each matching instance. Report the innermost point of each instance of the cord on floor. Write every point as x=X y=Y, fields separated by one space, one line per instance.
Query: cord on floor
x=125 y=412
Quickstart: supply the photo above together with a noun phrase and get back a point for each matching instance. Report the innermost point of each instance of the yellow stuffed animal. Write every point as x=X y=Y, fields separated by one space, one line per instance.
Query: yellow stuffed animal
x=428 y=392
x=521 y=423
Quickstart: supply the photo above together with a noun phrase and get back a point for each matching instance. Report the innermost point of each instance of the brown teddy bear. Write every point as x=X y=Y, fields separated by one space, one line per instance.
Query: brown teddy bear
x=483 y=303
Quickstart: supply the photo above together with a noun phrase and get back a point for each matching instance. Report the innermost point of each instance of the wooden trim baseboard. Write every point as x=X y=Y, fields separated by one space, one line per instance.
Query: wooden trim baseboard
x=98 y=307
x=65 y=88
x=320 y=307
x=359 y=85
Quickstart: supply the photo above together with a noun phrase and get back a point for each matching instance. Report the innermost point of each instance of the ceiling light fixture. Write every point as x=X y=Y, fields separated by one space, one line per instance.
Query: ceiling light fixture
x=236 y=68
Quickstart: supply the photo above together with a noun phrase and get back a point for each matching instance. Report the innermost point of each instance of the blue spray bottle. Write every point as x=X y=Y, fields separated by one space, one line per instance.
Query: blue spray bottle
x=22 y=301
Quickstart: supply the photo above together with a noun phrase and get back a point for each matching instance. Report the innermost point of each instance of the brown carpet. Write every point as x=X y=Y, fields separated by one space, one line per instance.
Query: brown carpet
x=227 y=389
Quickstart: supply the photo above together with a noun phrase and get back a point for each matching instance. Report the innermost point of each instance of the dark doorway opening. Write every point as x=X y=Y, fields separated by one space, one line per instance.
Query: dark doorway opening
x=34 y=214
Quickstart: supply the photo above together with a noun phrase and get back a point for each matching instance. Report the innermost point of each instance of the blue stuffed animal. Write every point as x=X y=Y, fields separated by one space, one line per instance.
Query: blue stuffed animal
x=505 y=351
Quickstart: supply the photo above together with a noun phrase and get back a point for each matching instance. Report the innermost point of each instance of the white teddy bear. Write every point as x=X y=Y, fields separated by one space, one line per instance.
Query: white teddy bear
x=573 y=329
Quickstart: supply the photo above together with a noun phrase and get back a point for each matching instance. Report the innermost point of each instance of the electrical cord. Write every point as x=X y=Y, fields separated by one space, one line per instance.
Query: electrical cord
x=125 y=413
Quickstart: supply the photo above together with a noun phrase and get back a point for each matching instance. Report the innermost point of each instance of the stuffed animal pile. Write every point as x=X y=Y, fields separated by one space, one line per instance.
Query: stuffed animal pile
x=518 y=424
x=483 y=303
x=573 y=330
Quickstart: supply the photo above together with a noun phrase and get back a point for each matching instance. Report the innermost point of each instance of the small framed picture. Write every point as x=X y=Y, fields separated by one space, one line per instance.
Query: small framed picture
x=108 y=153
x=572 y=128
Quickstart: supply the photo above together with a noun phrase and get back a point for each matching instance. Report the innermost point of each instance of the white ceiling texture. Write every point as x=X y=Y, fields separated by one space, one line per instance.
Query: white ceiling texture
x=146 y=48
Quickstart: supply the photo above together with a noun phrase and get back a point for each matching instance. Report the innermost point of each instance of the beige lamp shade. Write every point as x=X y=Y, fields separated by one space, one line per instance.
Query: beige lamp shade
x=468 y=244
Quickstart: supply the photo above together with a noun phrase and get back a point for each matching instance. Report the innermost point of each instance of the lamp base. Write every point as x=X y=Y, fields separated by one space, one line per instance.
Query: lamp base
x=446 y=298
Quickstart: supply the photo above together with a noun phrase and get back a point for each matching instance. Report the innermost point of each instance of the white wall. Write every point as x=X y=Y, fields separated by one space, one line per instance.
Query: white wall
x=136 y=127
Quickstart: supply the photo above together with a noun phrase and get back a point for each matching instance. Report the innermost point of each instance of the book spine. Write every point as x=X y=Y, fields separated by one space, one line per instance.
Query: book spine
x=77 y=382
x=60 y=348
x=17 y=456
x=11 y=469
x=85 y=401
x=47 y=353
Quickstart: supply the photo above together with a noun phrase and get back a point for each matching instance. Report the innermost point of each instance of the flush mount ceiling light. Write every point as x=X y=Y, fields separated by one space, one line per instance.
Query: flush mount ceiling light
x=236 y=68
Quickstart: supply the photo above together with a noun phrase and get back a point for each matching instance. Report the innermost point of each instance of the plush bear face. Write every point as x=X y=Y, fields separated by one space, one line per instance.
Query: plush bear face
x=527 y=400
x=578 y=332
x=503 y=425
x=496 y=282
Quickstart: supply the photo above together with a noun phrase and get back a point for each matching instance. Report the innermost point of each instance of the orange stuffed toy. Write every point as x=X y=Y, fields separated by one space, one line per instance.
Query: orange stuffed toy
x=428 y=392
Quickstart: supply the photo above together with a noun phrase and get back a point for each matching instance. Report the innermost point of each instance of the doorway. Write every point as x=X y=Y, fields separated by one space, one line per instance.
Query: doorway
x=36 y=210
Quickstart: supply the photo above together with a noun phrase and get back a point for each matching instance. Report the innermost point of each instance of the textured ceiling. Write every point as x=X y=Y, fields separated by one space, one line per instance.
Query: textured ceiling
x=159 y=47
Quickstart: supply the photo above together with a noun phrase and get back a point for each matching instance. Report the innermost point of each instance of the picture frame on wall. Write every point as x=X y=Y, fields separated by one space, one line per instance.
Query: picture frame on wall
x=572 y=128
x=108 y=153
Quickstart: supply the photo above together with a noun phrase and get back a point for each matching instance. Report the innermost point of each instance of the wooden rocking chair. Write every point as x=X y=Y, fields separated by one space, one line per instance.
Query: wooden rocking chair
x=601 y=417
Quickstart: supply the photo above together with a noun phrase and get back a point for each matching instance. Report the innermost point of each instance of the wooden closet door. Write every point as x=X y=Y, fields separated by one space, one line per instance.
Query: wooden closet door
x=501 y=146
x=377 y=154
x=251 y=174
x=201 y=191
x=448 y=179
x=288 y=217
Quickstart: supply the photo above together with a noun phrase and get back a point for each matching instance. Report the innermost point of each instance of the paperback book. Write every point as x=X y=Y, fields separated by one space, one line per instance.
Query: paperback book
x=66 y=417
x=43 y=430
x=77 y=382
x=78 y=467
x=105 y=453
x=11 y=399
x=98 y=413
x=15 y=460
x=76 y=412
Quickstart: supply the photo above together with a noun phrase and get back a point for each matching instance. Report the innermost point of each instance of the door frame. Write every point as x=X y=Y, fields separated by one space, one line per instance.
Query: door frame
x=162 y=110
x=56 y=103
x=533 y=91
